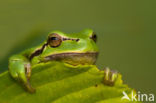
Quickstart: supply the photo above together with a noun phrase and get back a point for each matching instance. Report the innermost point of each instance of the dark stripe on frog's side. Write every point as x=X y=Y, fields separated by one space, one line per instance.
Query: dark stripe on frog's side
x=39 y=51
x=74 y=58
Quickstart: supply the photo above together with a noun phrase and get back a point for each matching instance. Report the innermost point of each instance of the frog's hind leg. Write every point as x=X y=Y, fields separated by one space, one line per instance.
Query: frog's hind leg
x=110 y=76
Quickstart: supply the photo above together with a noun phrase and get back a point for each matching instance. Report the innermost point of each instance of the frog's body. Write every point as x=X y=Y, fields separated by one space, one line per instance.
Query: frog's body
x=74 y=49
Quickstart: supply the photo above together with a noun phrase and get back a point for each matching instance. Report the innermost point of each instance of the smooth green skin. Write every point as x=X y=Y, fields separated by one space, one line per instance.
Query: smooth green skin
x=20 y=64
x=17 y=63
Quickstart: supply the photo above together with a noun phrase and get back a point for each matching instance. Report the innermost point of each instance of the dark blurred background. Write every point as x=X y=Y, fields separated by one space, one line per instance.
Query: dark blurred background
x=126 y=32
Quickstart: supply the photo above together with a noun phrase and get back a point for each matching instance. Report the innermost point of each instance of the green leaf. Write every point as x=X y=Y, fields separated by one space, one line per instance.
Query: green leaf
x=56 y=82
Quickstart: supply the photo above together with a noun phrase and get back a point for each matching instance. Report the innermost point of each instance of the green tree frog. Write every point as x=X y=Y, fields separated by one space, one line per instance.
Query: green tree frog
x=74 y=49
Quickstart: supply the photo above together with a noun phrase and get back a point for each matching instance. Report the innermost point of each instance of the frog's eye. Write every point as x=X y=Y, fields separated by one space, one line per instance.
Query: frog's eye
x=54 y=40
x=94 y=37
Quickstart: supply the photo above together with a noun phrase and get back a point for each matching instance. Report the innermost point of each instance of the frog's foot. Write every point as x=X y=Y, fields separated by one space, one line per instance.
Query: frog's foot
x=28 y=87
x=21 y=72
x=110 y=76
x=28 y=74
x=27 y=70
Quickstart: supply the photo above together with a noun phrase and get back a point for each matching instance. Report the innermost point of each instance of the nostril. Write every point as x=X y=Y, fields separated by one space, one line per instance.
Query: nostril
x=94 y=37
x=77 y=40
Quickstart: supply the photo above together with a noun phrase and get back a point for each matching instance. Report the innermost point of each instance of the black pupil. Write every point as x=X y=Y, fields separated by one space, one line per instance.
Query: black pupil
x=54 y=38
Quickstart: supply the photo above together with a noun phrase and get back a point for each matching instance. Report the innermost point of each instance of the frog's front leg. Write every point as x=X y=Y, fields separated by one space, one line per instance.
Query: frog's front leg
x=110 y=76
x=20 y=69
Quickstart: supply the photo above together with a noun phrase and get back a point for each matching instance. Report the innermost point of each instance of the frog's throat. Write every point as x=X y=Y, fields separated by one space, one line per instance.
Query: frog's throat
x=74 y=58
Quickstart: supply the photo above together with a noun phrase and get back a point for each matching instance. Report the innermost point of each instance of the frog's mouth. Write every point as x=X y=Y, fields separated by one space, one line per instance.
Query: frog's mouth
x=74 y=58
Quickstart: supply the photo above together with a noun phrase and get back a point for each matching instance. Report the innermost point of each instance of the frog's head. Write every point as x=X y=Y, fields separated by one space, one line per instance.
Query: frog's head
x=76 y=48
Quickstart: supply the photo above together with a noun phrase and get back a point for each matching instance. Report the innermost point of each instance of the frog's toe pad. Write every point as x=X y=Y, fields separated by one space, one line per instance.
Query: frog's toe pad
x=110 y=76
